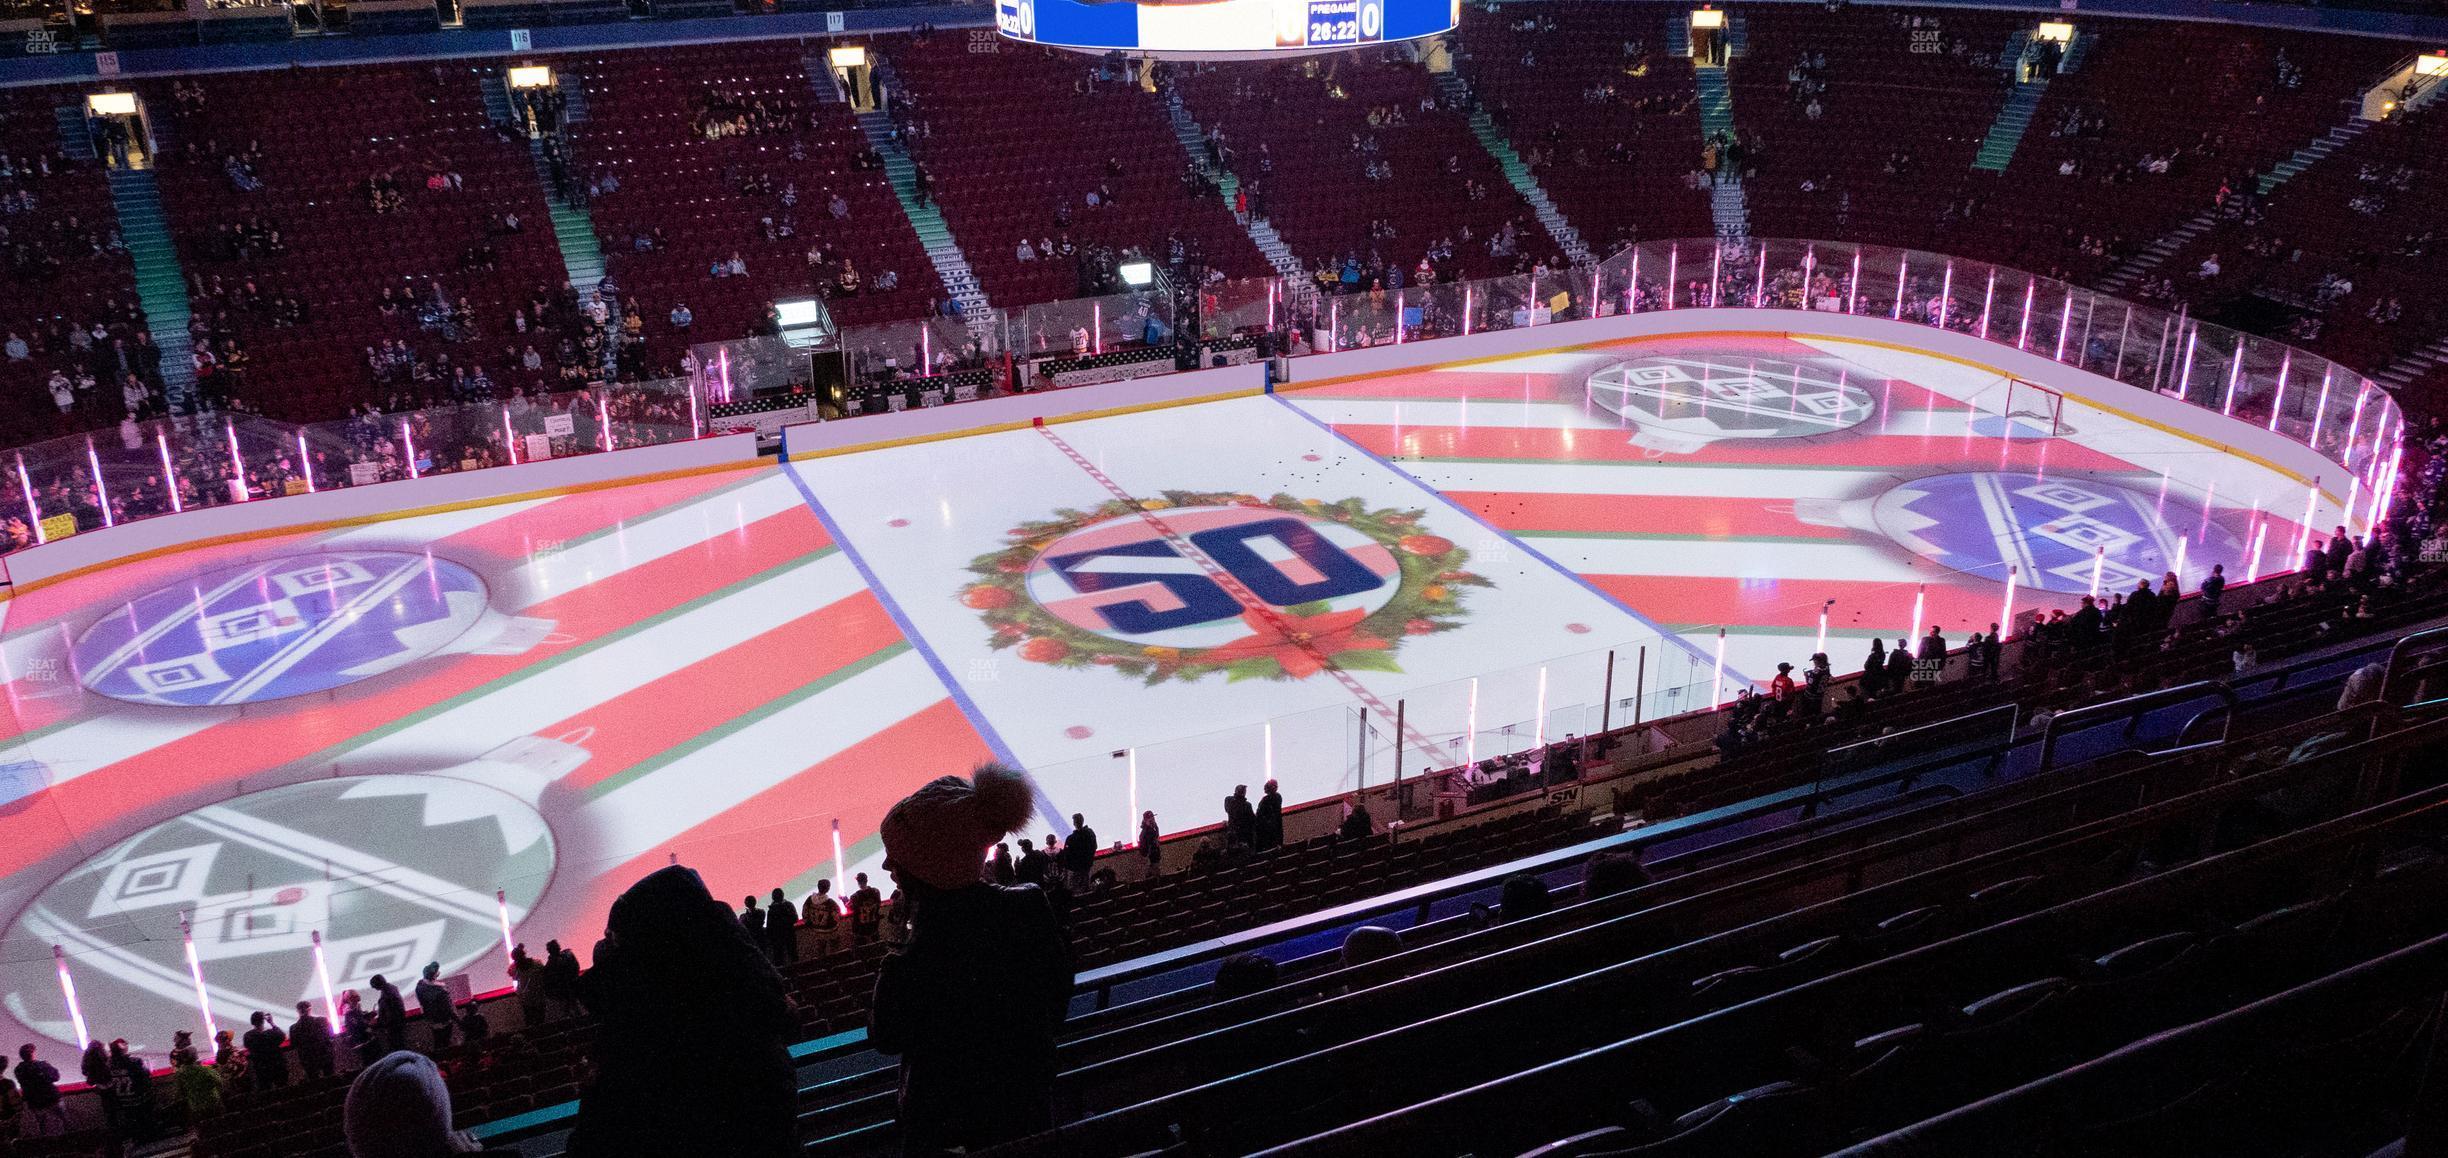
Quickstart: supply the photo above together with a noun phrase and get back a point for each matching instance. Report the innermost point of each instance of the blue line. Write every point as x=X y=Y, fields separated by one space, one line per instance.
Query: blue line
x=1525 y=548
x=909 y=631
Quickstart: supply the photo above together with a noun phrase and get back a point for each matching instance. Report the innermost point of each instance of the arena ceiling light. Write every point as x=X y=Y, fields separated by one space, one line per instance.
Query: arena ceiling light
x=112 y=104
x=531 y=76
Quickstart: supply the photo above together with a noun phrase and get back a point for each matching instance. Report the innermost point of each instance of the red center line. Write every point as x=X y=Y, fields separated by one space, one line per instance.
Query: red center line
x=1248 y=599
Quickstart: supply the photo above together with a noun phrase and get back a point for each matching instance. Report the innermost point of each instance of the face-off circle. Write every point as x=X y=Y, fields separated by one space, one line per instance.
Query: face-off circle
x=411 y=881
x=1124 y=579
x=1685 y=401
x=279 y=627
x=2052 y=530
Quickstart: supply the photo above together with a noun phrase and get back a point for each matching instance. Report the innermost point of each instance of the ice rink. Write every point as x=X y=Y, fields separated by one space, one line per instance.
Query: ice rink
x=407 y=737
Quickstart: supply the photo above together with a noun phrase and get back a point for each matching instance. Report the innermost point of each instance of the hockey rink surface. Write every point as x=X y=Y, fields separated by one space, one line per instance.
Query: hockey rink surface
x=406 y=736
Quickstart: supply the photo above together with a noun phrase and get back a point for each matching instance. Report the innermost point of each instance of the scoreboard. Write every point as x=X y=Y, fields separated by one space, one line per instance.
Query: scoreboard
x=1222 y=26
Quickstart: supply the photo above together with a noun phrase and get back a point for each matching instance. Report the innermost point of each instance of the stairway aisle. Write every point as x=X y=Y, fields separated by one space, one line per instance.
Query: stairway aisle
x=161 y=282
x=928 y=220
x=1729 y=210
x=1193 y=138
x=1516 y=171
x=2013 y=120
x=2130 y=273
x=573 y=227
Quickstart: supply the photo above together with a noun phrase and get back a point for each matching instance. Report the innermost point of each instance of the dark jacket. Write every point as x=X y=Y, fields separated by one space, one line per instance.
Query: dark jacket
x=264 y=1057
x=434 y=1001
x=312 y=1038
x=691 y=1055
x=971 y=1005
x=390 y=1011
x=1240 y=820
x=1269 y=820
x=1079 y=851
x=38 y=1080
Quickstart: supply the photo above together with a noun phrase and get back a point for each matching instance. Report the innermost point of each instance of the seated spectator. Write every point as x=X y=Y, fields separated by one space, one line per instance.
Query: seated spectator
x=1525 y=896
x=1369 y=943
x=1243 y=974
x=1612 y=872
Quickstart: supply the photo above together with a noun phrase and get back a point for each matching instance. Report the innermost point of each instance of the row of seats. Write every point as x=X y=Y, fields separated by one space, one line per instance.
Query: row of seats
x=1002 y=180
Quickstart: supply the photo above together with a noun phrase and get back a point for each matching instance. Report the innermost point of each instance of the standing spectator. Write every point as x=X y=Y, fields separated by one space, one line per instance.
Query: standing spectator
x=196 y=1085
x=311 y=1037
x=560 y=976
x=1151 y=843
x=265 y=1060
x=357 y=1028
x=1079 y=851
x=38 y=1081
x=822 y=913
x=1000 y=869
x=95 y=1068
x=527 y=974
x=434 y=1003
x=1240 y=819
x=2211 y=588
x=1874 y=668
x=131 y=1087
x=984 y=964
x=390 y=1015
x=1267 y=826
x=398 y=1107
x=752 y=919
x=1899 y=666
x=1033 y=864
x=229 y=1059
x=782 y=929
x=866 y=911
x=690 y=1057
x=473 y=1024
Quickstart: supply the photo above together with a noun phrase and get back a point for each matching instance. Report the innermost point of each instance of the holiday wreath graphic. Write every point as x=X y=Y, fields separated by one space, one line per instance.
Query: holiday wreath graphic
x=1197 y=583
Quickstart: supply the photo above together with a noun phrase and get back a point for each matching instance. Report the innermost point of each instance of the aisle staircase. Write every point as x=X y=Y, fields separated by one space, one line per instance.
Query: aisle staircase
x=933 y=232
x=1483 y=126
x=2404 y=372
x=1193 y=138
x=2014 y=118
x=161 y=283
x=2131 y=272
x=573 y=227
x=1728 y=209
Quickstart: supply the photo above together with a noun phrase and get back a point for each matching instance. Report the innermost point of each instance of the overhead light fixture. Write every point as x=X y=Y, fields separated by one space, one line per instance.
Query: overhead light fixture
x=1137 y=273
x=2431 y=64
x=531 y=76
x=112 y=104
x=2056 y=30
x=1707 y=18
x=797 y=312
x=850 y=56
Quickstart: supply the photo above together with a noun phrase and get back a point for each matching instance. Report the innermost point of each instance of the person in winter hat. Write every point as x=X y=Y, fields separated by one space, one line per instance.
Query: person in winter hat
x=399 y=1108
x=693 y=1027
x=971 y=1004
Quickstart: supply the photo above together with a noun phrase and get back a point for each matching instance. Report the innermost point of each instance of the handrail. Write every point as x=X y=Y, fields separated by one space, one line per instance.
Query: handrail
x=2397 y=656
x=2132 y=709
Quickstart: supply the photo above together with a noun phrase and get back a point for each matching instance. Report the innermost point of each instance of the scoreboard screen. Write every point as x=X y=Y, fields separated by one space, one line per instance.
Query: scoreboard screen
x=1221 y=26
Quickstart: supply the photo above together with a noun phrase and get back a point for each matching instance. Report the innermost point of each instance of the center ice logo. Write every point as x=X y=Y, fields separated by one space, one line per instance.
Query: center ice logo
x=1191 y=584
